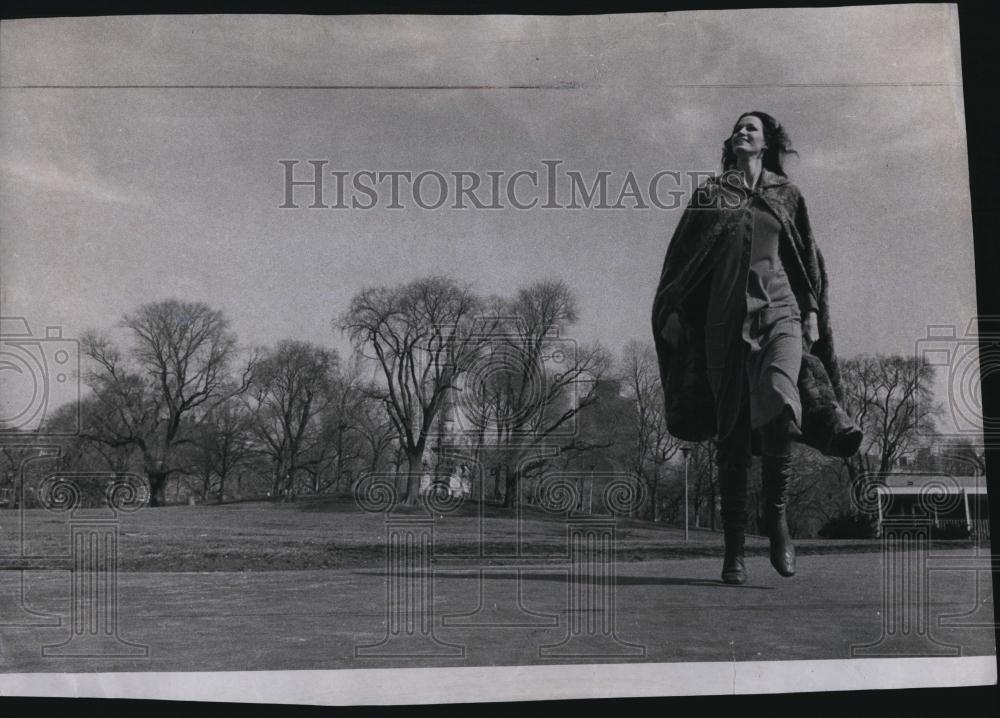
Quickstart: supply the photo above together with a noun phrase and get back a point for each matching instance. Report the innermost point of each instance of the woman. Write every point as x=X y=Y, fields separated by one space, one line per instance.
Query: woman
x=741 y=311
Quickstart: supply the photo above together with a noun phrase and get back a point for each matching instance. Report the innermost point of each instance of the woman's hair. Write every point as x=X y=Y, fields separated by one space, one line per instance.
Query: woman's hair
x=775 y=138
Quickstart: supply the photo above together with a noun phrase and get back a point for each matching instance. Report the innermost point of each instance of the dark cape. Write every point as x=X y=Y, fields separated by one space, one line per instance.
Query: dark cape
x=718 y=209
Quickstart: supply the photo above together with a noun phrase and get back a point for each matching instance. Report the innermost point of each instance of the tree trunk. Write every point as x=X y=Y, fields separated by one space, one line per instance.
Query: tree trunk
x=414 y=471
x=650 y=511
x=510 y=497
x=157 y=487
x=711 y=512
x=276 y=482
x=496 y=483
x=340 y=456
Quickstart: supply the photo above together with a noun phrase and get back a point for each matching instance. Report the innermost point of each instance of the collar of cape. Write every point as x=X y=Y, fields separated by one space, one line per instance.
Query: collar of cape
x=770 y=179
x=766 y=180
x=774 y=189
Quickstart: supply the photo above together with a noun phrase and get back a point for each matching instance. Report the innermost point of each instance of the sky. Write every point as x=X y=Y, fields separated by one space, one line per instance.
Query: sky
x=116 y=196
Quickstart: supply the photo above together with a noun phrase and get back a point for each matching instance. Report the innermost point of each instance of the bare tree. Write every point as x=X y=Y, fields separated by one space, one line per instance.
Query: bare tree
x=363 y=433
x=223 y=442
x=16 y=476
x=181 y=357
x=346 y=423
x=293 y=387
x=375 y=428
x=650 y=447
x=962 y=456
x=703 y=486
x=422 y=336
x=78 y=452
x=891 y=399
x=535 y=381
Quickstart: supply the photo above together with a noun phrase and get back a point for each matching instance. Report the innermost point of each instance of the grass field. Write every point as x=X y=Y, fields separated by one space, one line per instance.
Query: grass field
x=334 y=533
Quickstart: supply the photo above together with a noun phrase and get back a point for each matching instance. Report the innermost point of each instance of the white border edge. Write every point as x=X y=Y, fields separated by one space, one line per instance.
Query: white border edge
x=393 y=686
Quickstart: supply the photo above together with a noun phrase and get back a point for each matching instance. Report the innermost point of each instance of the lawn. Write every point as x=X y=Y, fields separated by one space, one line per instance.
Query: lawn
x=334 y=533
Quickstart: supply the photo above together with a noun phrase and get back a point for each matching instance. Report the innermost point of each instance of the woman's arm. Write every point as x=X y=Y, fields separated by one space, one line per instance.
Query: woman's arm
x=809 y=300
x=682 y=243
x=810 y=327
x=812 y=291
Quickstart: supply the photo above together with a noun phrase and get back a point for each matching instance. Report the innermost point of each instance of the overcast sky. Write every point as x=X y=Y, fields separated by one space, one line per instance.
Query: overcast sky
x=115 y=197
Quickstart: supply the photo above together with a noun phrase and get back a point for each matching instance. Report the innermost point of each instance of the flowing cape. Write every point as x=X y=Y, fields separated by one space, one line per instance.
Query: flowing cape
x=715 y=210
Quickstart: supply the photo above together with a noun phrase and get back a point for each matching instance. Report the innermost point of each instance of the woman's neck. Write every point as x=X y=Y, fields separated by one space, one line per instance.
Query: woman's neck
x=750 y=168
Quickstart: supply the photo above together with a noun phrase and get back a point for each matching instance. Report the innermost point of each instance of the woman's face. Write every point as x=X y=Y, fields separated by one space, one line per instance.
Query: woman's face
x=748 y=136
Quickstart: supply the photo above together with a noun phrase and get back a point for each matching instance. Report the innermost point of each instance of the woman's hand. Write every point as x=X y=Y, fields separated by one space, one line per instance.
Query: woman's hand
x=672 y=330
x=810 y=328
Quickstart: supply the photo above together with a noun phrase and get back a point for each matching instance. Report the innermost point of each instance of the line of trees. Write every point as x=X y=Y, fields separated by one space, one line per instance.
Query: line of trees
x=437 y=369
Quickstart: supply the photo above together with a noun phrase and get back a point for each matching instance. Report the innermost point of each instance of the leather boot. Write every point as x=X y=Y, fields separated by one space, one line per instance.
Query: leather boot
x=776 y=475
x=733 y=492
x=734 y=568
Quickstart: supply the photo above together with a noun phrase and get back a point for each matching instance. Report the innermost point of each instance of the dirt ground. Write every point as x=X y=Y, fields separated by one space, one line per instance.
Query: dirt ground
x=663 y=611
x=306 y=586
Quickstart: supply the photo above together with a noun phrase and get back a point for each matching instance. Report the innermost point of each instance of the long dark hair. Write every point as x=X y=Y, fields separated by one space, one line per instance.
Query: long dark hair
x=775 y=137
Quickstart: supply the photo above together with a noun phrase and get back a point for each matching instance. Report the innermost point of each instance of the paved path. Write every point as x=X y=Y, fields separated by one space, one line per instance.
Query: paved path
x=665 y=610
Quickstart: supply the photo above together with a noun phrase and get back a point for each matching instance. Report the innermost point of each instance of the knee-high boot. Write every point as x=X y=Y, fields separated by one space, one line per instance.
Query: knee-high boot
x=776 y=475
x=733 y=492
